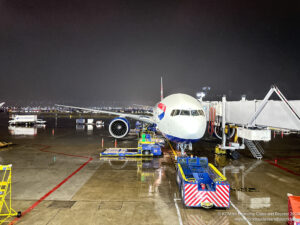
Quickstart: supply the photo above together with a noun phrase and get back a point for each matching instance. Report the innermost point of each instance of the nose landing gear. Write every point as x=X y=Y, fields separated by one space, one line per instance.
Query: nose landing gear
x=184 y=146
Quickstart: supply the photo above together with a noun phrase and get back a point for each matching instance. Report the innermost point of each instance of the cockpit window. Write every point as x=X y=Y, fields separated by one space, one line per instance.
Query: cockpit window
x=201 y=113
x=195 y=113
x=185 y=113
x=176 y=112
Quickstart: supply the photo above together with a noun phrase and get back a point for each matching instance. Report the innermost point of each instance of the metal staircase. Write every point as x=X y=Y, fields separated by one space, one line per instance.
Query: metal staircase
x=259 y=147
x=255 y=149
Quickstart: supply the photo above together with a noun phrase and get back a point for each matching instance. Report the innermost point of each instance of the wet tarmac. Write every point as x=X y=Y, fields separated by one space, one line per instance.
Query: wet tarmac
x=58 y=178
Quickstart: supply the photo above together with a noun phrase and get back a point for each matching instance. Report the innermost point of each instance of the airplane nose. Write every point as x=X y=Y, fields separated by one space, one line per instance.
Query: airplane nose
x=195 y=128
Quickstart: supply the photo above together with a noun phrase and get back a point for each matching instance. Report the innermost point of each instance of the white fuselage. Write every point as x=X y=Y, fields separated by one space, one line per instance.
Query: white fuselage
x=180 y=118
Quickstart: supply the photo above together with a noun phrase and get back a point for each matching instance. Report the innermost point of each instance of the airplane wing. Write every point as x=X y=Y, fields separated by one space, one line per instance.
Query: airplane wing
x=143 y=118
x=1 y=104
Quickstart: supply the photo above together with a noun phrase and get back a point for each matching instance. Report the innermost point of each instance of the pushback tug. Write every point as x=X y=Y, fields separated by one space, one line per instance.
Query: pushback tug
x=201 y=184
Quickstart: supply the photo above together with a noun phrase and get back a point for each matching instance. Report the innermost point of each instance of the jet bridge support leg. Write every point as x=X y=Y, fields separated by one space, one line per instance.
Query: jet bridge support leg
x=232 y=146
x=223 y=121
x=182 y=147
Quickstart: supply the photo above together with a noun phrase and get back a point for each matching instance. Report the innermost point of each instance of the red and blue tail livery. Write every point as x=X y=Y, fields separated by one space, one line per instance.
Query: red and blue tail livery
x=162 y=109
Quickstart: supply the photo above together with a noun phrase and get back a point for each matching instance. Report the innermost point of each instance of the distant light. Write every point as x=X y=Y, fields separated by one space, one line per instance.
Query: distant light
x=206 y=89
x=200 y=94
x=243 y=98
x=203 y=93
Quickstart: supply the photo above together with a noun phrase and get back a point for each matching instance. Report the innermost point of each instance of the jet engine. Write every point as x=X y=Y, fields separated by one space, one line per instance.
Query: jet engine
x=119 y=127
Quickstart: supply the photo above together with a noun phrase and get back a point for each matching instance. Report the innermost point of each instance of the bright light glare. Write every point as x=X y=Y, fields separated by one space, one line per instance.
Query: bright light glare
x=200 y=94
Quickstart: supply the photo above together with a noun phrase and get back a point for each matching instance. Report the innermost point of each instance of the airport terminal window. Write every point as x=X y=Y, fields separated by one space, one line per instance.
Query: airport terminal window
x=185 y=113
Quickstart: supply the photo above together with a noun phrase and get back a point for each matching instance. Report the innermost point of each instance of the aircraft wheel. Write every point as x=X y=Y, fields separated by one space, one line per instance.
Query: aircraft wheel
x=147 y=152
x=235 y=155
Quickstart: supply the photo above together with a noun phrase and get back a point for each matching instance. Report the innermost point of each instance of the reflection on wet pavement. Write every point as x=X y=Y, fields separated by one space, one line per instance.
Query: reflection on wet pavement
x=136 y=190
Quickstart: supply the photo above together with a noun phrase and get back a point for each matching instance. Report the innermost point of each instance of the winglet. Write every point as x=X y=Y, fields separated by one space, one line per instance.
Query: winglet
x=161 y=89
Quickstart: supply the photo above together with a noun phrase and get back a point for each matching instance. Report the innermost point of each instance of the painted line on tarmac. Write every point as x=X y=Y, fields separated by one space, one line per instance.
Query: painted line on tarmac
x=240 y=213
x=178 y=212
x=174 y=152
x=57 y=186
x=281 y=167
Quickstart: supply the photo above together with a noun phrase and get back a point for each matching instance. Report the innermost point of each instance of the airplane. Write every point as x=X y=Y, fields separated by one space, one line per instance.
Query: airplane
x=179 y=117
x=1 y=104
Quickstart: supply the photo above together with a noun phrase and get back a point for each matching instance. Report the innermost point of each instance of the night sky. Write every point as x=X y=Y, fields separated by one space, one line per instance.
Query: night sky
x=85 y=52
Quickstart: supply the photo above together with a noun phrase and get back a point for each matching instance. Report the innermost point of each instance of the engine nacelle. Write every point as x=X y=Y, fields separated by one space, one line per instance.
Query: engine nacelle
x=119 y=127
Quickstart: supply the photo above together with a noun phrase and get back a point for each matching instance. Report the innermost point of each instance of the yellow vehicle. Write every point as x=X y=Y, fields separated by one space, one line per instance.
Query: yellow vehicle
x=6 y=210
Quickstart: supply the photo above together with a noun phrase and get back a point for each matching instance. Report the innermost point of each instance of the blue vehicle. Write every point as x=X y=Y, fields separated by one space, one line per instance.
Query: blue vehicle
x=201 y=184
x=147 y=146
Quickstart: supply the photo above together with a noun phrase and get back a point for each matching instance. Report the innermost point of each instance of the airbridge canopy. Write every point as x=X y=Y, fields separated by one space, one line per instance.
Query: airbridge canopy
x=275 y=114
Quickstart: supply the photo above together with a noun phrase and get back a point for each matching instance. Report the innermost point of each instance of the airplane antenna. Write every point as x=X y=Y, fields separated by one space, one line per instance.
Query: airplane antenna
x=161 y=89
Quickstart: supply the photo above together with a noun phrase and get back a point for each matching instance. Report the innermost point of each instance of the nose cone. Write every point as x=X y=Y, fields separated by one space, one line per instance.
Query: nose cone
x=191 y=129
x=195 y=128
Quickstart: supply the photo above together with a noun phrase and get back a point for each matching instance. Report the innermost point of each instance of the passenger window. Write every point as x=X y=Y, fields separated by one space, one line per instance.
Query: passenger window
x=194 y=113
x=185 y=113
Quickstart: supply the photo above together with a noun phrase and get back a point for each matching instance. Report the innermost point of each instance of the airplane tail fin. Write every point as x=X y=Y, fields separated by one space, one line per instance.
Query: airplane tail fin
x=161 y=89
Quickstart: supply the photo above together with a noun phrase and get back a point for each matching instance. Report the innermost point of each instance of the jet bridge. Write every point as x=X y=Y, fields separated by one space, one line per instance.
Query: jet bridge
x=274 y=115
x=253 y=119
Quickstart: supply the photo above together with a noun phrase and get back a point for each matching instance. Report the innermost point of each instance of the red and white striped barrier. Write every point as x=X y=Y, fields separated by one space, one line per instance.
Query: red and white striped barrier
x=193 y=197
